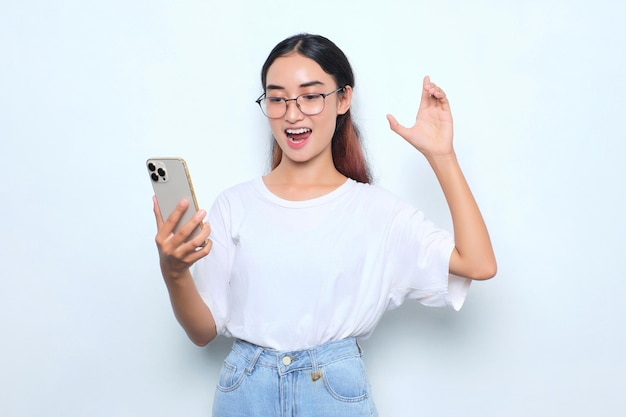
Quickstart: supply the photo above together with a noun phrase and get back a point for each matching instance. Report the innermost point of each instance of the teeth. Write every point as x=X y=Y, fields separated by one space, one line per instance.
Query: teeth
x=297 y=131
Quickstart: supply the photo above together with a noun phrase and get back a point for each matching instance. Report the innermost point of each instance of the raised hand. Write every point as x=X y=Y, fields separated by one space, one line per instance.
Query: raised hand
x=432 y=132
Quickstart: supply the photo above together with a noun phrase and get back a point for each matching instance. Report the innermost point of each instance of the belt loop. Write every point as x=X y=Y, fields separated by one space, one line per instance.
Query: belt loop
x=315 y=372
x=254 y=360
x=358 y=346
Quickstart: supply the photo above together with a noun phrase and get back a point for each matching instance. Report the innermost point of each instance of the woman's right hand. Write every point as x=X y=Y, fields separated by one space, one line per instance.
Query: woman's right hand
x=175 y=252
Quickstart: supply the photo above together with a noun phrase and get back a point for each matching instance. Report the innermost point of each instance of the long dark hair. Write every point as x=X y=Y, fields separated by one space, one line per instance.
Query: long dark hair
x=347 y=151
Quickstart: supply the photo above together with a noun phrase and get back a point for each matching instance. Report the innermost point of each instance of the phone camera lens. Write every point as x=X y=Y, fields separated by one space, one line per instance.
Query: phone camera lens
x=151 y=167
x=154 y=177
x=161 y=172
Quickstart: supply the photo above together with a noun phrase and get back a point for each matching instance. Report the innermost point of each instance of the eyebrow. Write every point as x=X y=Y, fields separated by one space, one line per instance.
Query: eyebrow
x=278 y=87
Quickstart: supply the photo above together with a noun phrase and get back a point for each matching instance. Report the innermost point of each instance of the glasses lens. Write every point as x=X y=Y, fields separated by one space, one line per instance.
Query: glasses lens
x=276 y=107
x=273 y=107
x=311 y=104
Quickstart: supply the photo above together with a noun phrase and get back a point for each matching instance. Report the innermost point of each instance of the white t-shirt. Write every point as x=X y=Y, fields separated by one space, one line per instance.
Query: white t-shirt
x=295 y=274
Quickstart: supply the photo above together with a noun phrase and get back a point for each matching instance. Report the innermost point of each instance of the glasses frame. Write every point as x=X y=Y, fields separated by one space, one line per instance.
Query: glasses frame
x=263 y=97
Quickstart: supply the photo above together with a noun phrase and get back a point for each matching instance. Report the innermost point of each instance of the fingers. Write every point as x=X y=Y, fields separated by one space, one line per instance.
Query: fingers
x=186 y=231
x=426 y=88
x=431 y=90
x=397 y=127
x=178 y=251
x=165 y=228
x=165 y=232
x=157 y=212
x=196 y=248
x=176 y=215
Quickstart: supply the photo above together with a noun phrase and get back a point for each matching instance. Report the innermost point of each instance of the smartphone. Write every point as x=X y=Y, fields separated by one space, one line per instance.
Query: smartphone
x=171 y=183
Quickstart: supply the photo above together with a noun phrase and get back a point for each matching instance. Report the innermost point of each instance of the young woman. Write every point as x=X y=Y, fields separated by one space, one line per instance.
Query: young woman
x=304 y=260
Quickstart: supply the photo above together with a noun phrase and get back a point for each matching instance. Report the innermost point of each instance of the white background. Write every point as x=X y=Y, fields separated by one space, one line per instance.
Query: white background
x=89 y=90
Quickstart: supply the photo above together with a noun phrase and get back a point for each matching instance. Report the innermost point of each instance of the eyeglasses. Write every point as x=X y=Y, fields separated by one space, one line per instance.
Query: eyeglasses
x=309 y=104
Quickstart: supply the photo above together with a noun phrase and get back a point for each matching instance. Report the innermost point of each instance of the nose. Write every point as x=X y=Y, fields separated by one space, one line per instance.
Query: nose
x=293 y=113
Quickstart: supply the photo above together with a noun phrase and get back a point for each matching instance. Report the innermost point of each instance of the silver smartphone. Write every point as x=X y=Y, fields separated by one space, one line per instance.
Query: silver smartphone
x=171 y=183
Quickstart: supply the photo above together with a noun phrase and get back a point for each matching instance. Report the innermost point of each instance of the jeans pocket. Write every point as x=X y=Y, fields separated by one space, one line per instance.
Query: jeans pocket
x=232 y=373
x=346 y=380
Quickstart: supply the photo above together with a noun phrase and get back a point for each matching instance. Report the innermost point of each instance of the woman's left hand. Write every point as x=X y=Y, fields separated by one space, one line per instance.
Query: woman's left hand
x=432 y=132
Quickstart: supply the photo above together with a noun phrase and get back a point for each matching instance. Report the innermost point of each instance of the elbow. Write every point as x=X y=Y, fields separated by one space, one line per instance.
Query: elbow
x=484 y=271
x=478 y=267
x=202 y=338
x=201 y=341
x=485 y=275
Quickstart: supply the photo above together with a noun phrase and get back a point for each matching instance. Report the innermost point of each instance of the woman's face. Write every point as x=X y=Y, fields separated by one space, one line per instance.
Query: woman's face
x=304 y=138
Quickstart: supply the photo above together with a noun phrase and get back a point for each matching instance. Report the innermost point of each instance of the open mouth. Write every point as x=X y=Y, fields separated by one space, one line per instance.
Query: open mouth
x=298 y=135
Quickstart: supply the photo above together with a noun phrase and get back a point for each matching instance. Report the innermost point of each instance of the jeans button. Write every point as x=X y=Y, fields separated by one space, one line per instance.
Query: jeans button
x=286 y=361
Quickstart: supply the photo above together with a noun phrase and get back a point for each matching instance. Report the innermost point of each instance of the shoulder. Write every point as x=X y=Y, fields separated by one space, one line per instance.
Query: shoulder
x=374 y=203
x=243 y=189
x=378 y=196
x=236 y=197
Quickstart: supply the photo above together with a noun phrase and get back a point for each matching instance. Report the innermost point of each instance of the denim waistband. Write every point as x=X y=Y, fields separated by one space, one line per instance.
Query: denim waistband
x=289 y=361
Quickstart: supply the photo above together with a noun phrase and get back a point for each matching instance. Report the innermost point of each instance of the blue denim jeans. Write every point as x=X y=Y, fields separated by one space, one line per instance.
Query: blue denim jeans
x=328 y=380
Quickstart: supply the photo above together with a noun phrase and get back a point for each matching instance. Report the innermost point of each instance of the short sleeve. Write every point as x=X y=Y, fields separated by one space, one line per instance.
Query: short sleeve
x=418 y=263
x=212 y=273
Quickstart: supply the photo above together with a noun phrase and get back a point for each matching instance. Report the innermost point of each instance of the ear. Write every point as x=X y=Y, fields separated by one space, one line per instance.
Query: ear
x=345 y=100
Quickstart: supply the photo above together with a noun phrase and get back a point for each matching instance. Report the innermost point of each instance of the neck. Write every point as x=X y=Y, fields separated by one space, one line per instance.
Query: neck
x=294 y=181
x=317 y=171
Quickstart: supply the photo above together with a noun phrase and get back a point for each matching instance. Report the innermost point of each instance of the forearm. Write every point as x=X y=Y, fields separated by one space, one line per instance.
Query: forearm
x=190 y=310
x=473 y=256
